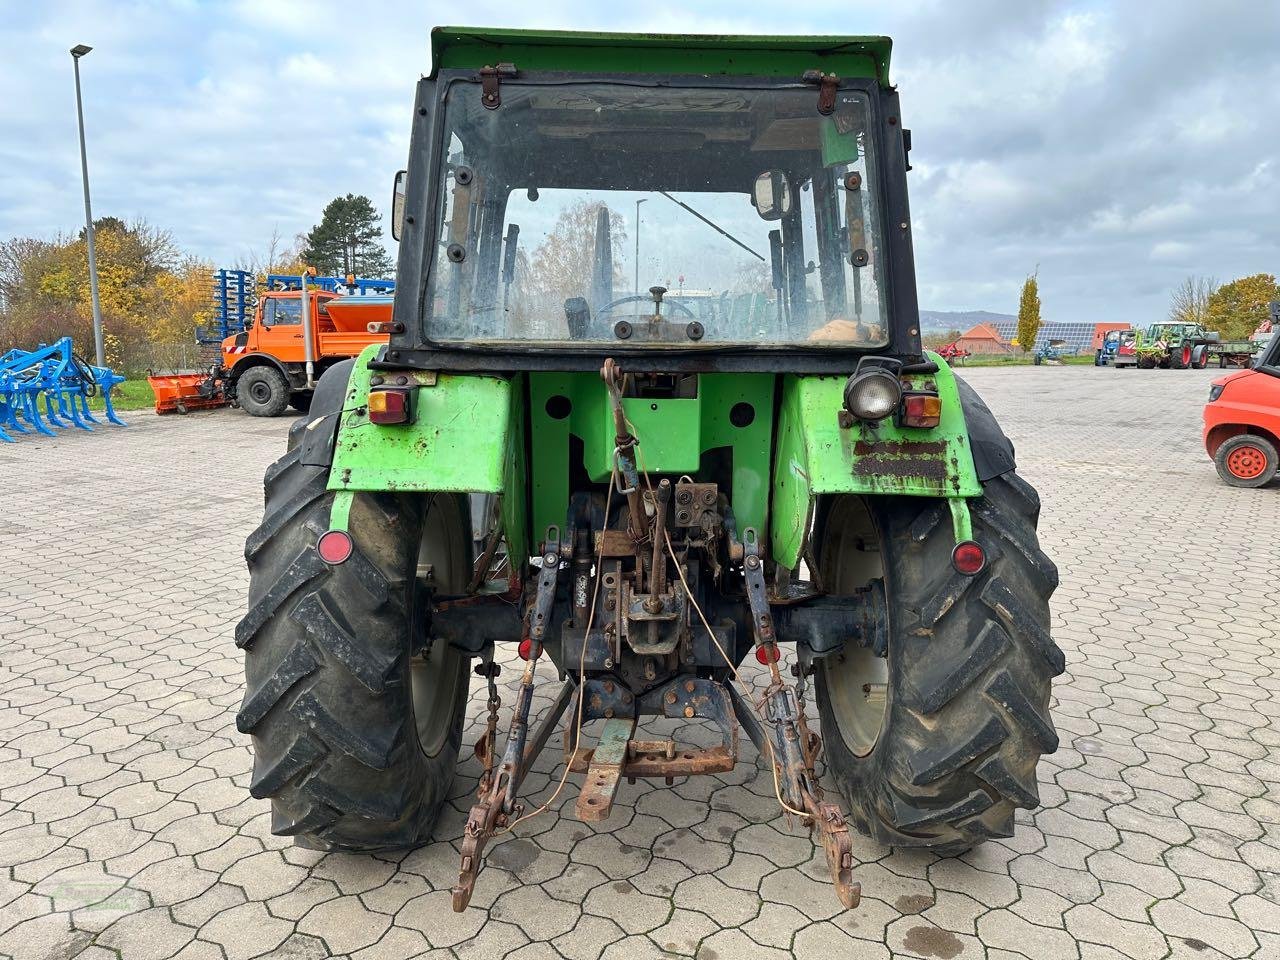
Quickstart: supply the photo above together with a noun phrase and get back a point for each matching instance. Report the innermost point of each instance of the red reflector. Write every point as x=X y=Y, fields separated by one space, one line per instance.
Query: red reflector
x=526 y=647
x=968 y=558
x=921 y=410
x=767 y=653
x=335 y=546
x=388 y=407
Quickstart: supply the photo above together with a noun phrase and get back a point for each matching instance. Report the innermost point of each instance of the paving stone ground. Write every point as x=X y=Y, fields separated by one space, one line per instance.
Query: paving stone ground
x=126 y=827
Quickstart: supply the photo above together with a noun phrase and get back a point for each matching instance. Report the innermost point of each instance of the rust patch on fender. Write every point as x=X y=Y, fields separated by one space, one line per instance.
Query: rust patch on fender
x=923 y=459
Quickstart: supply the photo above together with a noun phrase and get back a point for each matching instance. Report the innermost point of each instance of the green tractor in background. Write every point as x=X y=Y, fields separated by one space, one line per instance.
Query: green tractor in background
x=647 y=459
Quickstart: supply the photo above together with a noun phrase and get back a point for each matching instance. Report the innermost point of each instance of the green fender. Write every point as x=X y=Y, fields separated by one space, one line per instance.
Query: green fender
x=467 y=436
x=816 y=455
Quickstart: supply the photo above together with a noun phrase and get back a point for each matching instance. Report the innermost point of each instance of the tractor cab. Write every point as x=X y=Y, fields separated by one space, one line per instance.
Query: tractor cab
x=694 y=217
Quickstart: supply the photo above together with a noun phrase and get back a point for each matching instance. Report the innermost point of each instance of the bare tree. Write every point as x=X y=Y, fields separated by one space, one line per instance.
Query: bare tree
x=1190 y=300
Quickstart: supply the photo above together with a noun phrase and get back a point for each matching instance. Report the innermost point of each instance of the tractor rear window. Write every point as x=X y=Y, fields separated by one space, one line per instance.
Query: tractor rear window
x=698 y=217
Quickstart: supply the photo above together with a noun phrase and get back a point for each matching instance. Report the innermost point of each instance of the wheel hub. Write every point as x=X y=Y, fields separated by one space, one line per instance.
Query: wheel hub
x=1246 y=462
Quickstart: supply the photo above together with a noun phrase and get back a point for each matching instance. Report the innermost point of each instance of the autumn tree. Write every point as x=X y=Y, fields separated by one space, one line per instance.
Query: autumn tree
x=561 y=266
x=152 y=298
x=348 y=239
x=1029 y=313
x=1190 y=301
x=1238 y=308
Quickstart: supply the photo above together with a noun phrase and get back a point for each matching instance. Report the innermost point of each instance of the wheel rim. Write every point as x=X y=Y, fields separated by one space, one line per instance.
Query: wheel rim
x=1186 y=356
x=260 y=391
x=858 y=685
x=437 y=677
x=857 y=680
x=1247 y=461
x=433 y=713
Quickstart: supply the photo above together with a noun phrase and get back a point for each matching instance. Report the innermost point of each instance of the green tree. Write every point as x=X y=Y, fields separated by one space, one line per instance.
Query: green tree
x=1029 y=313
x=348 y=240
x=1238 y=308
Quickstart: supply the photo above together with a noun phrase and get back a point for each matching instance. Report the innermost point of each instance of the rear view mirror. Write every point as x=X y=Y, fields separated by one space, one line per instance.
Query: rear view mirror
x=771 y=195
x=397 y=204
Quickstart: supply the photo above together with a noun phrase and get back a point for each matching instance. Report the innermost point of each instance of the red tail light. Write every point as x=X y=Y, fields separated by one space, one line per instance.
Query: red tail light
x=968 y=558
x=389 y=406
x=525 y=648
x=921 y=410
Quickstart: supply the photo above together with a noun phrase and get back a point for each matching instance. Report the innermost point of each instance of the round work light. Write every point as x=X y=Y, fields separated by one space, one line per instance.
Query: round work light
x=872 y=395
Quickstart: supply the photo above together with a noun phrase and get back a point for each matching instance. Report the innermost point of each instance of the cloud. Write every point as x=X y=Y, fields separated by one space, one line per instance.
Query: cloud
x=1119 y=147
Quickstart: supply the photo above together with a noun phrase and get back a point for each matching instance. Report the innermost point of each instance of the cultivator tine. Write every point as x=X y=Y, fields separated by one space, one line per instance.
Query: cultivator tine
x=33 y=415
x=51 y=414
x=107 y=380
x=84 y=408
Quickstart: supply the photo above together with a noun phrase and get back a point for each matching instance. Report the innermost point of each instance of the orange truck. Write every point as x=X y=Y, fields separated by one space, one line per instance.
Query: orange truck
x=275 y=361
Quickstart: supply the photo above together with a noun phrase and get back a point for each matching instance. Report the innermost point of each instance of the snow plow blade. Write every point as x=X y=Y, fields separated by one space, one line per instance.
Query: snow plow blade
x=184 y=392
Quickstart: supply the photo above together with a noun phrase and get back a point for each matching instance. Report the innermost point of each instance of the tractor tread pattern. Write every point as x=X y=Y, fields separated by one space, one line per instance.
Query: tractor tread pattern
x=328 y=705
x=298 y=574
x=941 y=682
x=297 y=663
x=367 y=664
x=300 y=756
x=968 y=711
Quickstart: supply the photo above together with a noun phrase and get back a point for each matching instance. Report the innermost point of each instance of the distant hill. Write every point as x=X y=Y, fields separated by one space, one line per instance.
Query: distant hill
x=940 y=321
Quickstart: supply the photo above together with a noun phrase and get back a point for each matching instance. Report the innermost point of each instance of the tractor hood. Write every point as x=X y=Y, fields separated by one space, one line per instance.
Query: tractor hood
x=470 y=48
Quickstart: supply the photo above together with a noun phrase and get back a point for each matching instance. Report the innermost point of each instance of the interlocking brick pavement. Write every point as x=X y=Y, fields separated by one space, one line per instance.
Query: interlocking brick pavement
x=126 y=827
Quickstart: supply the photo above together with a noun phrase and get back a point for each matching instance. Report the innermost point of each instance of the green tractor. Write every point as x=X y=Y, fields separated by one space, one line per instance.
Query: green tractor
x=654 y=405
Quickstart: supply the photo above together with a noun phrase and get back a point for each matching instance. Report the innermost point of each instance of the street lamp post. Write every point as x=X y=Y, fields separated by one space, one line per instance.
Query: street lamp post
x=638 y=202
x=78 y=51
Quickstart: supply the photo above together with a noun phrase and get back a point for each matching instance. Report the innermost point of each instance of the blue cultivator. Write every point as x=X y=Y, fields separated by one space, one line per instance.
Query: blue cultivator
x=55 y=377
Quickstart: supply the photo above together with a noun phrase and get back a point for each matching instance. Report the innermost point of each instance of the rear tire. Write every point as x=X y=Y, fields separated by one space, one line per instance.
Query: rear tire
x=262 y=392
x=300 y=401
x=965 y=716
x=1246 y=460
x=355 y=726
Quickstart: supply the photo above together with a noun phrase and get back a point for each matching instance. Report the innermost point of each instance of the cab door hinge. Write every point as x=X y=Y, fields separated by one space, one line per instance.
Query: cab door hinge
x=490 y=81
x=827 y=84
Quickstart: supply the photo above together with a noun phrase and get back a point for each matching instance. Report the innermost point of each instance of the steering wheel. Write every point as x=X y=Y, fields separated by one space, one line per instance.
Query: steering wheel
x=608 y=307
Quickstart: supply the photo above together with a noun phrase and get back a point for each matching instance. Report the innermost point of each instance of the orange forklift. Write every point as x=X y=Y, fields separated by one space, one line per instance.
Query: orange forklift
x=274 y=360
x=1242 y=417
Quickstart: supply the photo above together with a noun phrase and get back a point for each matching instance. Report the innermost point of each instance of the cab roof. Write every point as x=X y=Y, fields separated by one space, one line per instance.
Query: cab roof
x=470 y=48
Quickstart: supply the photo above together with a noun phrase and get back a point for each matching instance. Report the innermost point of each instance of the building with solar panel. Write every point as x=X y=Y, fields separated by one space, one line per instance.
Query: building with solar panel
x=1080 y=337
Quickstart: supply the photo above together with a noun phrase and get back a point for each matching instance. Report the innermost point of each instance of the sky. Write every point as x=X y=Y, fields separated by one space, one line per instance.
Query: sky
x=1114 y=148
